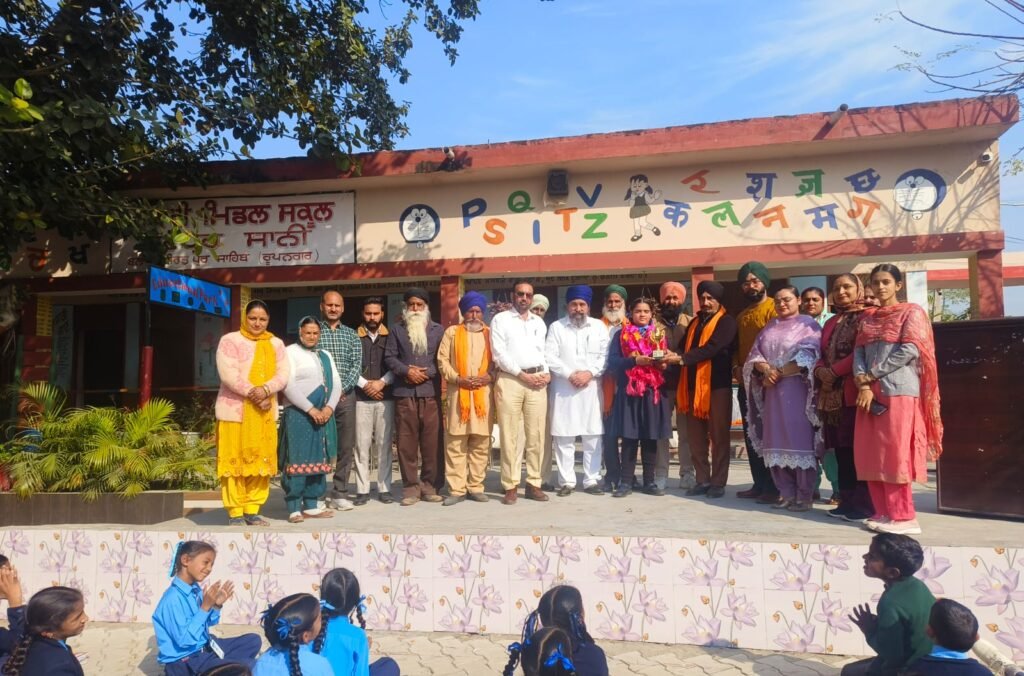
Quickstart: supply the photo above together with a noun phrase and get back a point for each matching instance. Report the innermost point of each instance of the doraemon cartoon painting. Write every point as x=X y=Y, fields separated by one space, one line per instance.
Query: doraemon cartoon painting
x=919 y=190
x=419 y=224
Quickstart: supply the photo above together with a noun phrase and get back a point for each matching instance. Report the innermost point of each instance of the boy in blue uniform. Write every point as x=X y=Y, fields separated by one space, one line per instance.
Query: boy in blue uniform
x=954 y=630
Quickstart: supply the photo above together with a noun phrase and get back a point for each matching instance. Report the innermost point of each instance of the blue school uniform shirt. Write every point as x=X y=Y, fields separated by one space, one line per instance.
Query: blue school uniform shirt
x=182 y=627
x=346 y=648
x=16 y=624
x=274 y=662
x=590 y=660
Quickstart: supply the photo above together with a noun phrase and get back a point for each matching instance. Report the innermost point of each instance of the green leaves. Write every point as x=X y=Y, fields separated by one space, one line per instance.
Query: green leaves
x=93 y=99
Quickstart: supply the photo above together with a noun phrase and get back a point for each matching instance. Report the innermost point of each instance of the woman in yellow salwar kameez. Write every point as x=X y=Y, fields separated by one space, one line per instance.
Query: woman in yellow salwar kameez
x=253 y=368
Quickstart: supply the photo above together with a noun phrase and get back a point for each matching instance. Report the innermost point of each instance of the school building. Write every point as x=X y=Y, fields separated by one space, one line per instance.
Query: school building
x=810 y=195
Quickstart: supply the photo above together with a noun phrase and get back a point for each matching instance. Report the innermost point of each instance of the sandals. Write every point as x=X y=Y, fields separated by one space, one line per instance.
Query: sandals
x=255 y=520
x=799 y=507
x=236 y=521
x=295 y=517
x=321 y=514
x=783 y=503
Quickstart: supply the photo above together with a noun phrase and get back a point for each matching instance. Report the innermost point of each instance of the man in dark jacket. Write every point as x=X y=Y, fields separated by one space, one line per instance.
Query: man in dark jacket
x=706 y=360
x=411 y=355
x=375 y=405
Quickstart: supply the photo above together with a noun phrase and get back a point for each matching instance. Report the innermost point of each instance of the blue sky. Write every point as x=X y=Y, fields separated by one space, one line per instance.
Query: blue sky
x=537 y=68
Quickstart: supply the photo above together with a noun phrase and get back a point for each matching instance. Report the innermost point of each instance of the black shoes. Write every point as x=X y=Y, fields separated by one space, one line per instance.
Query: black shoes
x=699 y=489
x=653 y=489
x=361 y=499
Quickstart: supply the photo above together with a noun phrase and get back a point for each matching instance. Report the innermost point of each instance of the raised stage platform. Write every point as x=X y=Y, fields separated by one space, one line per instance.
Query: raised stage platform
x=663 y=569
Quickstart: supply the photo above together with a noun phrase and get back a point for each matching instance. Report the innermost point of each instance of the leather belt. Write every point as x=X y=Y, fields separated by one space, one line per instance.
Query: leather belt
x=533 y=369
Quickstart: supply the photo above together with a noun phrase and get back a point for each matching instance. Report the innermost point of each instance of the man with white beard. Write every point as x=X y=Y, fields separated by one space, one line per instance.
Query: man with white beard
x=614 y=318
x=576 y=351
x=464 y=359
x=412 y=356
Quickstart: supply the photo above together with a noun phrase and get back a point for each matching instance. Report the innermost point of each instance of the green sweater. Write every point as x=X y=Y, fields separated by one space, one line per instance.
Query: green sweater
x=900 y=637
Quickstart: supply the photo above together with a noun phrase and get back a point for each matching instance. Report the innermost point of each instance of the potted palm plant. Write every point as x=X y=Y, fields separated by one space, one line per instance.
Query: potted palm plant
x=98 y=465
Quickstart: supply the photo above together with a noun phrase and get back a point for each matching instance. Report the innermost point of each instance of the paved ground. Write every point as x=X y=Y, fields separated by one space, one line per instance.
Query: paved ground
x=116 y=649
x=672 y=515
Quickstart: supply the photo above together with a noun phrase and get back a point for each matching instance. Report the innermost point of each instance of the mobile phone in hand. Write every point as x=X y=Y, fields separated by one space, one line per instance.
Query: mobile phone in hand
x=878 y=408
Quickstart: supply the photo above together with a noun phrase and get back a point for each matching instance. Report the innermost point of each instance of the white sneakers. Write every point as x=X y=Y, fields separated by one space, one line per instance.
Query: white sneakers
x=340 y=504
x=887 y=525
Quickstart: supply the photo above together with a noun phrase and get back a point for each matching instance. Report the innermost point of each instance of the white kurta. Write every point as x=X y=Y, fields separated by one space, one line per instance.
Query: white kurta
x=569 y=349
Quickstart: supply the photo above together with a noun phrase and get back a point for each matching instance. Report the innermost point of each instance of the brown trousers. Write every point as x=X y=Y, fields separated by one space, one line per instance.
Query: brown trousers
x=711 y=465
x=418 y=421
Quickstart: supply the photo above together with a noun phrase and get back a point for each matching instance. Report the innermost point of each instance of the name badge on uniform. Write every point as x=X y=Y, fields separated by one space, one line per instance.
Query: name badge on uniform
x=216 y=649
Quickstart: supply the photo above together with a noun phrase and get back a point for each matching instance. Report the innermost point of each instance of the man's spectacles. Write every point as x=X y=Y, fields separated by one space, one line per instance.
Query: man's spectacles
x=524 y=294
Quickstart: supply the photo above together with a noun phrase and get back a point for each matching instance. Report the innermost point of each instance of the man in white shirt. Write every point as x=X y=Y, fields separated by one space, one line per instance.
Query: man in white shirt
x=520 y=392
x=375 y=407
x=576 y=352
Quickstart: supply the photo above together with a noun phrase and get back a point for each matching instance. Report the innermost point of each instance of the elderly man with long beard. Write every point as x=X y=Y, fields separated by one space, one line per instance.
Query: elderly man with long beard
x=412 y=356
x=672 y=296
x=464 y=359
x=614 y=318
x=576 y=351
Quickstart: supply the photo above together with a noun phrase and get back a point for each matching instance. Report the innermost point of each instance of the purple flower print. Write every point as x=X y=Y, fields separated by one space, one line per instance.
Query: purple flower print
x=273 y=544
x=412 y=597
x=488 y=546
x=246 y=611
x=651 y=605
x=999 y=589
x=342 y=544
x=384 y=617
x=16 y=541
x=738 y=553
x=834 y=615
x=704 y=632
x=566 y=548
x=315 y=563
x=459 y=620
x=740 y=610
x=649 y=549
x=932 y=569
x=78 y=543
x=1014 y=638
x=115 y=611
x=488 y=598
x=79 y=584
x=794 y=577
x=56 y=561
x=140 y=543
x=458 y=565
x=535 y=567
x=799 y=638
x=703 y=573
x=618 y=627
x=270 y=591
x=413 y=545
x=384 y=565
x=116 y=561
x=616 y=569
x=833 y=556
x=139 y=591
x=247 y=562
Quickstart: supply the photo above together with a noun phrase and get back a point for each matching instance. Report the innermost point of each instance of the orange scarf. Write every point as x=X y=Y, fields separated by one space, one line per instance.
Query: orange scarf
x=462 y=364
x=702 y=386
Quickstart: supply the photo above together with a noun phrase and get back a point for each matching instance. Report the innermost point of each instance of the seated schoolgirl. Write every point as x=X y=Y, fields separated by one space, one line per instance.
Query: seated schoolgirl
x=562 y=607
x=290 y=624
x=183 y=618
x=10 y=591
x=344 y=644
x=54 y=615
x=548 y=653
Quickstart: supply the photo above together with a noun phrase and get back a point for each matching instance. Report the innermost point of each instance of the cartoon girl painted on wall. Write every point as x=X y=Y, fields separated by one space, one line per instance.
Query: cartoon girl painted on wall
x=639 y=198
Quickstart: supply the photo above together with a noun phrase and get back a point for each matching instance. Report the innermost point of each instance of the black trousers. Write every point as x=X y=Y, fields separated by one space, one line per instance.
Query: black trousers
x=648 y=456
x=763 y=482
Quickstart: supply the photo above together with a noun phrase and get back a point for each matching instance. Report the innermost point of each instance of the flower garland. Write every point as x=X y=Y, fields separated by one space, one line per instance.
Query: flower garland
x=643 y=343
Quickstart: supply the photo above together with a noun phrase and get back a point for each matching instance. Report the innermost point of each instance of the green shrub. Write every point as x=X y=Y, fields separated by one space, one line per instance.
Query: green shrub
x=102 y=450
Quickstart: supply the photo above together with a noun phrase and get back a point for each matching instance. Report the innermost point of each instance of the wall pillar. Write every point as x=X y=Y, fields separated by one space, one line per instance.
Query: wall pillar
x=985 y=274
x=452 y=288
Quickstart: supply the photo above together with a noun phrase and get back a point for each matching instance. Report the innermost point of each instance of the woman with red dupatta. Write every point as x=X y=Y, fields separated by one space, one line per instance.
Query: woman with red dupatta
x=898 y=426
x=642 y=412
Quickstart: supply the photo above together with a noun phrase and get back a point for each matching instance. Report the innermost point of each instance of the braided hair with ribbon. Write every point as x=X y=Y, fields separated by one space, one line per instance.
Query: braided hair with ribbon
x=515 y=650
x=285 y=623
x=562 y=606
x=549 y=653
x=339 y=597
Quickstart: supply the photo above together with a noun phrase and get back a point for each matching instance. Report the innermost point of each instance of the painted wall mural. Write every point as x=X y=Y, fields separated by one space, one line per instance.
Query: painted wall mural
x=927 y=191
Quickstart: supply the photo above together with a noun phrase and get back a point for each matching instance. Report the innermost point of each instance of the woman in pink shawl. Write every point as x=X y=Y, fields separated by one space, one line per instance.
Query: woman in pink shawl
x=898 y=426
x=781 y=412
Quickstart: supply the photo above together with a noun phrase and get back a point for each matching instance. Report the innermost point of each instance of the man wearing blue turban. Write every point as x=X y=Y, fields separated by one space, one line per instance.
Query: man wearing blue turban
x=576 y=351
